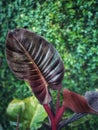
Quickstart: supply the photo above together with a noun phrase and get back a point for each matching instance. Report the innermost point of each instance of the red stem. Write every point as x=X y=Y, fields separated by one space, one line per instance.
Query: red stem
x=52 y=118
x=59 y=114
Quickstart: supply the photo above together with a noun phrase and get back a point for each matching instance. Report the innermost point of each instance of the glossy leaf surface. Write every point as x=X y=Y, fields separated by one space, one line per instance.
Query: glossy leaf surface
x=34 y=59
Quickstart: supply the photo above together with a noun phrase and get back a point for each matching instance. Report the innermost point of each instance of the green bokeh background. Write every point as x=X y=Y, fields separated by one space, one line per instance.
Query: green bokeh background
x=72 y=27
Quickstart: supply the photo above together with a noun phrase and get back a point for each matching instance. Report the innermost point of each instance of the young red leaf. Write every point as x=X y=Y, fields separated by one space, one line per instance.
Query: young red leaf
x=76 y=102
x=32 y=58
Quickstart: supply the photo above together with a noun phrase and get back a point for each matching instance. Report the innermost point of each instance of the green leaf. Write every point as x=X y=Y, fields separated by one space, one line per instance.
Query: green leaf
x=30 y=107
x=38 y=117
x=31 y=113
x=15 y=108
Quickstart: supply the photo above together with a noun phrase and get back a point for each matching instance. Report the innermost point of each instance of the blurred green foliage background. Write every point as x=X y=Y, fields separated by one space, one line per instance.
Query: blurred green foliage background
x=72 y=27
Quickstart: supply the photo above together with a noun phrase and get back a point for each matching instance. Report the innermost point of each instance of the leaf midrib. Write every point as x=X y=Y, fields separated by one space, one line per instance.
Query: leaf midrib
x=32 y=61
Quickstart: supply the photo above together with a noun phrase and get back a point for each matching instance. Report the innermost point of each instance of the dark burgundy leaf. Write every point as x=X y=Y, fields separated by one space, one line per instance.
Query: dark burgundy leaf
x=73 y=118
x=92 y=99
x=34 y=59
x=76 y=102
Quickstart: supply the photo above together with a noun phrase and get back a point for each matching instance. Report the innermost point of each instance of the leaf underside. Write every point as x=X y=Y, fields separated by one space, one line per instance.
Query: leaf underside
x=34 y=59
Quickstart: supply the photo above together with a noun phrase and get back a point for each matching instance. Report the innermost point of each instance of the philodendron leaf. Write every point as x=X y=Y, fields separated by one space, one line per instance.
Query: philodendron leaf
x=92 y=99
x=35 y=60
x=15 y=108
x=38 y=118
x=82 y=105
x=76 y=102
x=30 y=107
x=31 y=115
